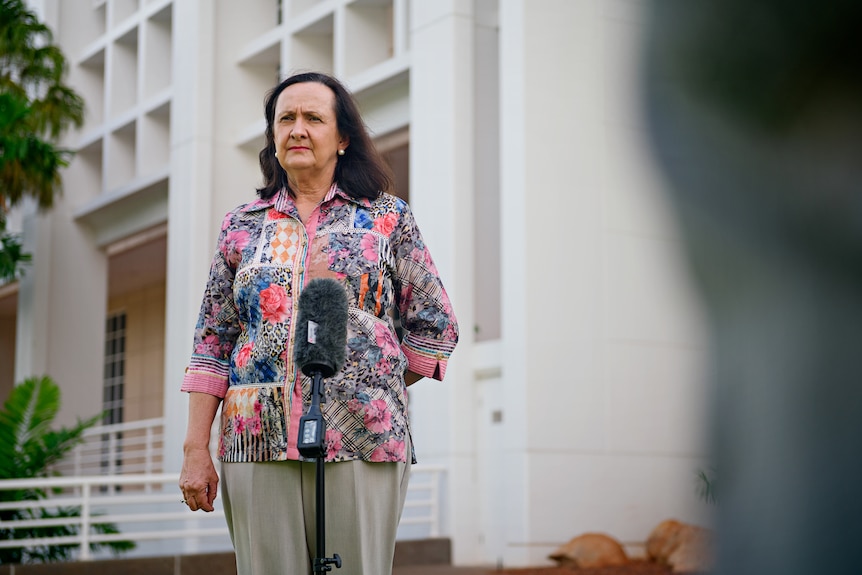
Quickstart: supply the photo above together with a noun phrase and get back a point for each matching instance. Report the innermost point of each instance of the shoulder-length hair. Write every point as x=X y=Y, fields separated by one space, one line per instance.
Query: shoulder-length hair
x=361 y=172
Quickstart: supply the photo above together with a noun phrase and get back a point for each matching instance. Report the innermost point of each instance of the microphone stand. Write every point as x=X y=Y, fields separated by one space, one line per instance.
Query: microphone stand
x=312 y=433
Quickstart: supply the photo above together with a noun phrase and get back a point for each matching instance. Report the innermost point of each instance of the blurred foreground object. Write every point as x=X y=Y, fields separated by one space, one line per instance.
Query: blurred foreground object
x=754 y=111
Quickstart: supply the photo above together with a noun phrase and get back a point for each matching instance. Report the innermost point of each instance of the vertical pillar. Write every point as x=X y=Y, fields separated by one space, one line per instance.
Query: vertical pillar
x=513 y=152
x=31 y=347
x=53 y=337
x=441 y=184
x=191 y=238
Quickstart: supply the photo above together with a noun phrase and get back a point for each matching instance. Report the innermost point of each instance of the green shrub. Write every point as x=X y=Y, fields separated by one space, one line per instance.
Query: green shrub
x=28 y=448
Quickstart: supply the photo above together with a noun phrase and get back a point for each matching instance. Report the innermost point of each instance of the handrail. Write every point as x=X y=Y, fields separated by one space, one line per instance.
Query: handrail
x=431 y=487
x=118 y=448
x=79 y=492
x=126 y=426
x=156 y=500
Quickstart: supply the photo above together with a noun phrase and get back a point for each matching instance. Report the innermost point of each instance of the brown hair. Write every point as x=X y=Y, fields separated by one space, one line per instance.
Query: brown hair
x=361 y=172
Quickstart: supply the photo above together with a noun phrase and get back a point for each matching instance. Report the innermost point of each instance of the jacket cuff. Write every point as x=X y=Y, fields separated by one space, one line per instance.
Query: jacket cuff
x=427 y=357
x=206 y=375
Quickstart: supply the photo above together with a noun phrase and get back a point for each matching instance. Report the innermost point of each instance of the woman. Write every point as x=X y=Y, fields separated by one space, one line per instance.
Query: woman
x=322 y=213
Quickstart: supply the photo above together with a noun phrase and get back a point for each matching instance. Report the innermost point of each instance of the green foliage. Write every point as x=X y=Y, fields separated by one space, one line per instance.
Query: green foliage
x=28 y=447
x=29 y=165
x=706 y=482
x=11 y=255
x=36 y=109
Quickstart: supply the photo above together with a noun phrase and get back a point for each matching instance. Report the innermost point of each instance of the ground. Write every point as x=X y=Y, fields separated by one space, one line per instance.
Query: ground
x=633 y=568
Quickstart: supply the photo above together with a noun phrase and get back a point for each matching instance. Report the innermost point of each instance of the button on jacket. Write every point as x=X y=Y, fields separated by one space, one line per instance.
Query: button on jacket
x=243 y=342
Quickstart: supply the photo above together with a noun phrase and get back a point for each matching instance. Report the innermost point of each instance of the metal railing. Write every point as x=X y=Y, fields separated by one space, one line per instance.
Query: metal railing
x=136 y=447
x=145 y=507
x=423 y=504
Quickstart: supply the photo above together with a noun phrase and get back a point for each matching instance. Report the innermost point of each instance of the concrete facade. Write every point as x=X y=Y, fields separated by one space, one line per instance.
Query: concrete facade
x=576 y=397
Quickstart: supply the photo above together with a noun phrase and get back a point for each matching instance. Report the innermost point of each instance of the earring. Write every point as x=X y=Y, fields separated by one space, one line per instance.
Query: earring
x=340 y=152
x=275 y=154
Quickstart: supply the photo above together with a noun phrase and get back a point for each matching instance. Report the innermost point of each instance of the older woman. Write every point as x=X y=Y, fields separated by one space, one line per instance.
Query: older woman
x=323 y=212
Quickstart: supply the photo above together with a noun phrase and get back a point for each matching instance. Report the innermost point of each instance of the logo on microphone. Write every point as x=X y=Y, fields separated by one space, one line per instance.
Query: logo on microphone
x=312 y=332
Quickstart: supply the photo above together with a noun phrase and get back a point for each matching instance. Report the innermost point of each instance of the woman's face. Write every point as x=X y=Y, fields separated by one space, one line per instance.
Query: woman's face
x=305 y=131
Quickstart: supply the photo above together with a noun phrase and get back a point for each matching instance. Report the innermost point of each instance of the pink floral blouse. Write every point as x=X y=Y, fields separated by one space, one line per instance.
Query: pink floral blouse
x=243 y=342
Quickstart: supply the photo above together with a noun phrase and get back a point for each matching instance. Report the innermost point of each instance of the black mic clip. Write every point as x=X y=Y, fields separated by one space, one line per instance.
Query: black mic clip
x=323 y=564
x=312 y=428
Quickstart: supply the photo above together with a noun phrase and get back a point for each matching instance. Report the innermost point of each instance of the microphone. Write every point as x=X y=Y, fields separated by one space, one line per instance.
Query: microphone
x=320 y=339
x=321 y=329
x=319 y=351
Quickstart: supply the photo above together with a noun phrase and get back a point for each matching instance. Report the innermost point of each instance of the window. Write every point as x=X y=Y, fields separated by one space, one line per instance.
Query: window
x=112 y=391
x=115 y=360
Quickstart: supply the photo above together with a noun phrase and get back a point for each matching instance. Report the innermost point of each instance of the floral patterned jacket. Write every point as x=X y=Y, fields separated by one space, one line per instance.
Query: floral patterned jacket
x=243 y=342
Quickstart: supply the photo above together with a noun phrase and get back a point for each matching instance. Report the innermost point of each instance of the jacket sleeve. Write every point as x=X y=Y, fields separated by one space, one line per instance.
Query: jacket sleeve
x=218 y=322
x=430 y=326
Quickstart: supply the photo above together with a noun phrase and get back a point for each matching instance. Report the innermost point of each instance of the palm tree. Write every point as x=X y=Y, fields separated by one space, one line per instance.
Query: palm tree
x=11 y=254
x=36 y=109
x=28 y=448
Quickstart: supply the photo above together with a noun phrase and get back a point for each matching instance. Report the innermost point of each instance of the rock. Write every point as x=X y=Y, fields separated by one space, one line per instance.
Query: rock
x=685 y=548
x=663 y=540
x=590 y=550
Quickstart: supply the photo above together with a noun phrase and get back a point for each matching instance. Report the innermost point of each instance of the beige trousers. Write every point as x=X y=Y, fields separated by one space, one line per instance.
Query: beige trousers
x=270 y=509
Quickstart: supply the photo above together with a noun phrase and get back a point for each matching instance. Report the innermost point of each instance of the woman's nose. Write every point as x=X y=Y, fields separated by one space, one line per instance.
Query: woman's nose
x=298 y=130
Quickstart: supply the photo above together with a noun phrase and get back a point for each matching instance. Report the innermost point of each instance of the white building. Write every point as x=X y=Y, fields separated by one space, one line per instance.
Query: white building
x=575 y=399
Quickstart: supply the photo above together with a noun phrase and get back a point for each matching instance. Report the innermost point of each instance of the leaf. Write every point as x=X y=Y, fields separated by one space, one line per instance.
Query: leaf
x=26 y=416
x=12 y=256
x=36 y=108
x=707 y=485
x=28 y=446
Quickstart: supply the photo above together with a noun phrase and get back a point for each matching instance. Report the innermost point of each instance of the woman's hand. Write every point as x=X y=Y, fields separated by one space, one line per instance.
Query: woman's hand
x=198 y=479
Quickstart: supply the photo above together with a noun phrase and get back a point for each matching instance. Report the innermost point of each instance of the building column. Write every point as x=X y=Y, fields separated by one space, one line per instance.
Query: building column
x=191 y=239
x=54 y=337
x=513 y=183
x=31 y=347
x=442 y=197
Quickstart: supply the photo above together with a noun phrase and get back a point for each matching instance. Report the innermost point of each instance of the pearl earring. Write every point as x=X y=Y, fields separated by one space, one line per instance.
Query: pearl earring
x=340 y=152
x=275 y=154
